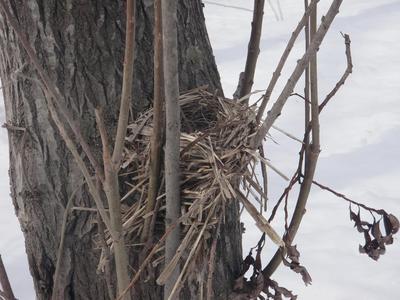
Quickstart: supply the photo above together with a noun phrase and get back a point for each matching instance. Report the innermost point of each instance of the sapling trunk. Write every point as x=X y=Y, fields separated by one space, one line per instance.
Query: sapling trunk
x=172 y=149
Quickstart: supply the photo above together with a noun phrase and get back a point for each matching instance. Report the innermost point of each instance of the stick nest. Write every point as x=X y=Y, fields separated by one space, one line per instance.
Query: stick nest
x=215 y=155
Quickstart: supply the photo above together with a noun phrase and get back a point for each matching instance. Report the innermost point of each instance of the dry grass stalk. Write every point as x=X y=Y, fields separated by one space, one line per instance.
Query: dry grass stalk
x=261 y=222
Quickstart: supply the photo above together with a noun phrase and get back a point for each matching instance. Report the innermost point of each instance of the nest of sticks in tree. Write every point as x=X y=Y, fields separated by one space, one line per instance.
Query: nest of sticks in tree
x=216 y=158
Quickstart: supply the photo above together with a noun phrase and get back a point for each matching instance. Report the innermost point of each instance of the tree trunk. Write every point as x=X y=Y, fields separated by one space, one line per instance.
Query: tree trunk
x=80 y=44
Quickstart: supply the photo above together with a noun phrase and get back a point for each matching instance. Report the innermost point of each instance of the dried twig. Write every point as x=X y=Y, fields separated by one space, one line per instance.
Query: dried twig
x=347 y=72
x=340 y=195
x=285 y=192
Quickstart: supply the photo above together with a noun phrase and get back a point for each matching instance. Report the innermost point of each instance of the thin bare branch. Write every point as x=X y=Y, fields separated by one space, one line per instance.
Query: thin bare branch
x=127 y=82
x=111 y=188
x=158 y=121
x=285 y=192
x=253 y=48
x=340 y=195
x=311 y=156
x=314 y=85
x=347 y=72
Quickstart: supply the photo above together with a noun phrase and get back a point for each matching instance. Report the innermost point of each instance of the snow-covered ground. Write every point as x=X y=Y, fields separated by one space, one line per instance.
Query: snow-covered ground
x=360 y=145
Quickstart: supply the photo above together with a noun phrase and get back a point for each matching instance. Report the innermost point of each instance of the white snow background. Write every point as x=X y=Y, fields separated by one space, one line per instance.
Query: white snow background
x=360 y=144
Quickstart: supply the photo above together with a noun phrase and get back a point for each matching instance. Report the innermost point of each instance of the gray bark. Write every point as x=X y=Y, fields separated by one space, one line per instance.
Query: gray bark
x=80 y=44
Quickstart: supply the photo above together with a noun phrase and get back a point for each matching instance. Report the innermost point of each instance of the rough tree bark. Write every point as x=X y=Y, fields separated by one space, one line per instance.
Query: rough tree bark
x=80 y=44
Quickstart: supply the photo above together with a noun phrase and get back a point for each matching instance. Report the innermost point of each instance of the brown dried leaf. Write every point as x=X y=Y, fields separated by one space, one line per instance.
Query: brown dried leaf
x=376 y=232
x=257 y=262
x=278 y=291
x=296 y=267
x=391 y=224
x=293 y=253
